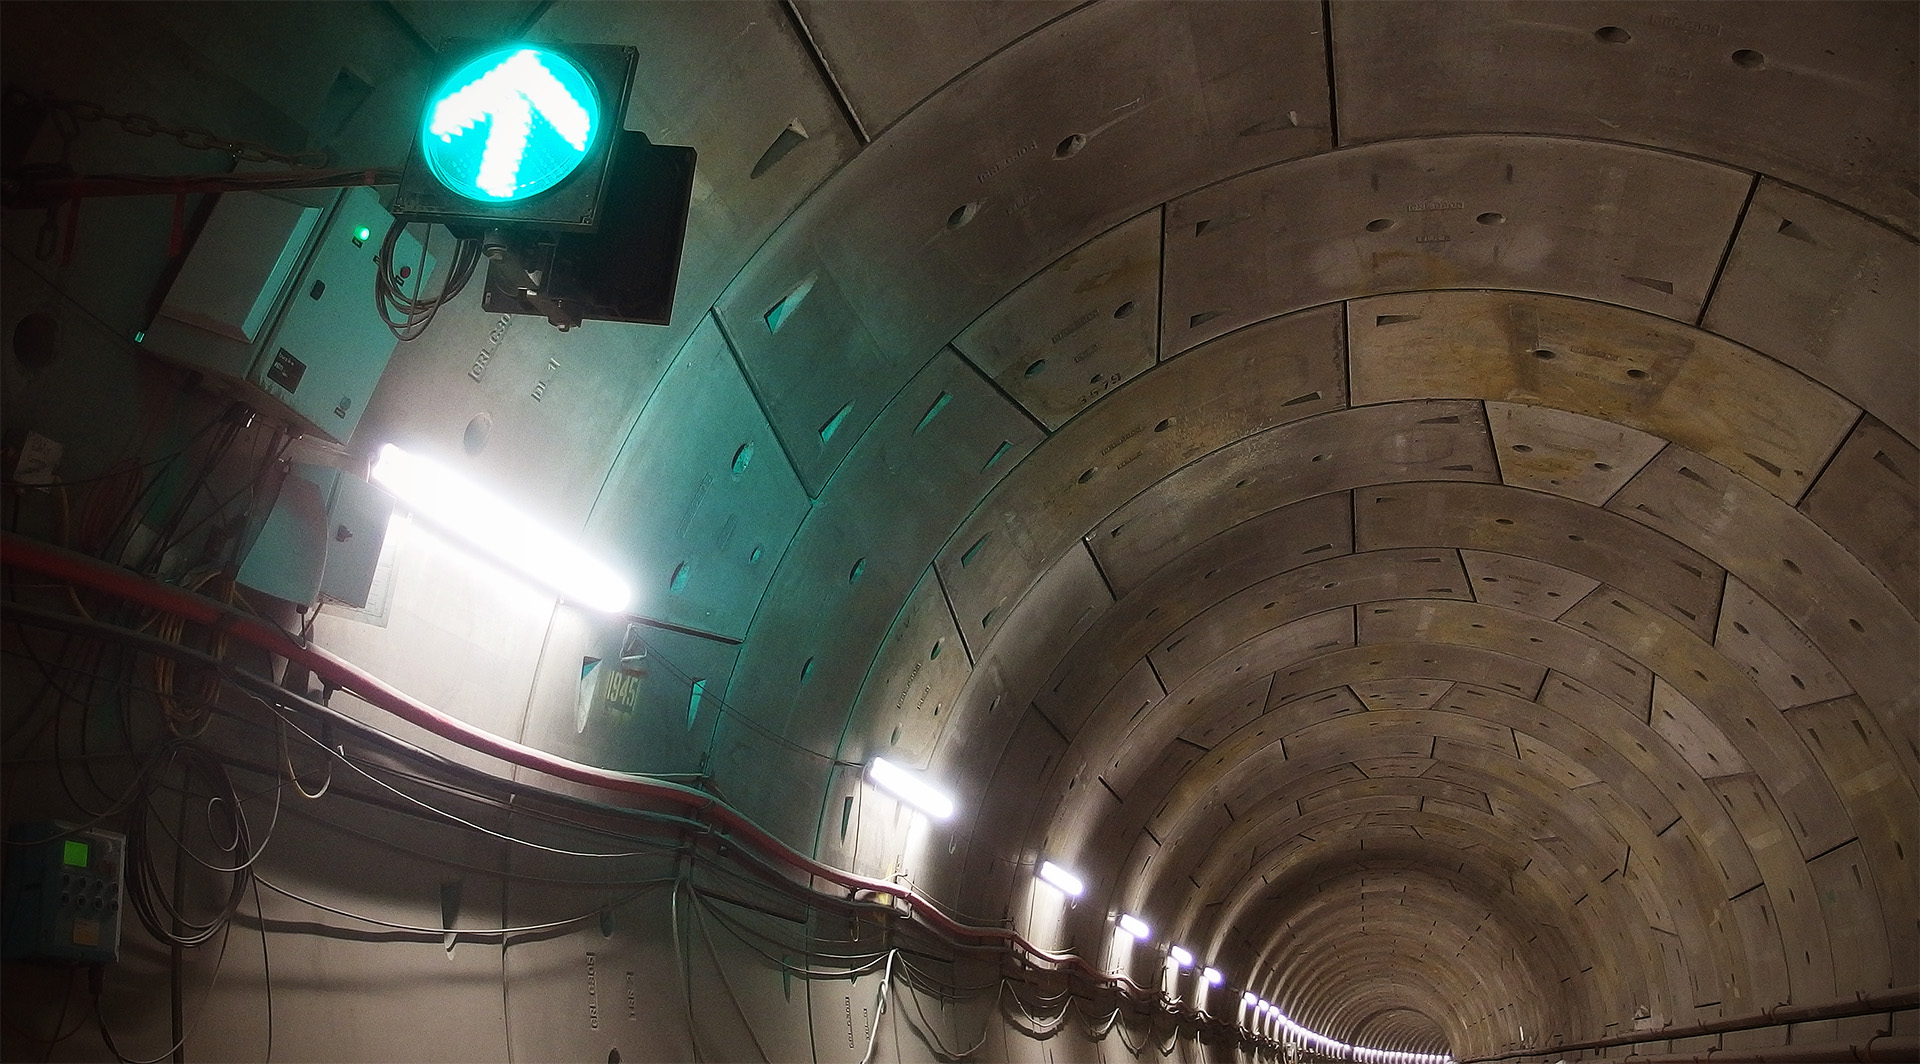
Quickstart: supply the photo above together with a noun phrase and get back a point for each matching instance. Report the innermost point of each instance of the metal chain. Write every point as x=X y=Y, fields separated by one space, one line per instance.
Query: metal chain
x=143 y=125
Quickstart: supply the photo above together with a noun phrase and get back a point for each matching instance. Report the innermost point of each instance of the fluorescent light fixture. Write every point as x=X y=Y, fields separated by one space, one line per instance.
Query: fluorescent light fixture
x=1134 y=926
x=1181 y=957
x=1212 y=976
x=1069 y=884
x=1249 y=998
x=476 y=516
x=910 y=788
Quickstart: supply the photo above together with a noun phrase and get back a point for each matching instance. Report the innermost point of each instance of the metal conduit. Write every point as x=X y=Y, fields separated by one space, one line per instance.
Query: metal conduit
x=1902 y=1048
x=1779 y=1016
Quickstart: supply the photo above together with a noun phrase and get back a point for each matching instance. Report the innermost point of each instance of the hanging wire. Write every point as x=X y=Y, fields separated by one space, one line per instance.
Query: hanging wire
x=464 y=932
x=97 y=980
x=442 y=813
x=407 y=317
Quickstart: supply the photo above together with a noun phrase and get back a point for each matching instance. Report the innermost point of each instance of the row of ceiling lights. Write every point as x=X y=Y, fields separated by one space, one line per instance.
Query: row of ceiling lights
x=1256 y=1011
x=499 y=530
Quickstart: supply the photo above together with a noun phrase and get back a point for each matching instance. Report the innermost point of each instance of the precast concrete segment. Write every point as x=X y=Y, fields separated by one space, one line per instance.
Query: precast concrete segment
x=1607 y=222
x=1561 y=452
x=1811 y=93
x=1850 y=616
x=1637 y=910
x=1264 y=549
x=965 y=198
x=1869 y=501
x=1826 y=291
x=1751 y=413
x=1461 y=972
x=1506 y=964
x=1703 y=818
x=1333 y=452
x=722 y=502
x=1078 y=329
x=930 y=457
x=1709 y=711
x=887 y=59
x=1255 y=379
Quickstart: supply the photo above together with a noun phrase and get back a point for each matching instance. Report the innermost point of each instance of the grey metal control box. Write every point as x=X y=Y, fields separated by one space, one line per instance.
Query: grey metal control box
x=276 y=300
x=63 y=893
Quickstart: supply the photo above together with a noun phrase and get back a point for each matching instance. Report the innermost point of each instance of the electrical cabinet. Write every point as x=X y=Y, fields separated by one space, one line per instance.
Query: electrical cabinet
x=276 y=301
x=63 y=893
x=321 y=539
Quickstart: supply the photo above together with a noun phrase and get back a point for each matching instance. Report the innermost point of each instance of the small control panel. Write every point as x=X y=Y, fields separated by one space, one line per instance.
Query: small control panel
x=63 y=893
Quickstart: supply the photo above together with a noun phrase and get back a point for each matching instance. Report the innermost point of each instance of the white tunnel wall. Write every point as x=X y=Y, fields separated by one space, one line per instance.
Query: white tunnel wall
x=1418 y=501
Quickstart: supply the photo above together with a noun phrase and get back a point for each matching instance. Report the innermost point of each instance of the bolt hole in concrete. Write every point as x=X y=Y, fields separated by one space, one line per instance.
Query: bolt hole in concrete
x=1522 y=447
x=479 y=429
x=1749 y=58
x=1124 y=309
x=963 y=214
x=1612 y=35
x=1379 y=225
x=1164 y=425
x=1037 y=367
x=1637 y=374
x=1492 y=218
x=1543 y=353
x=1086 y=476
x=1070 y=146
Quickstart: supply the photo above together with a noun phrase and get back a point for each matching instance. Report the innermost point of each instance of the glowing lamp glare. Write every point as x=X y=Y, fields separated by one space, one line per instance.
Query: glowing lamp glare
x=910 y=788
x=1068 y=883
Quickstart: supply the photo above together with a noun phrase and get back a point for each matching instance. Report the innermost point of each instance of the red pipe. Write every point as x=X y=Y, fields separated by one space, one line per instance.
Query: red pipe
x=84 y=571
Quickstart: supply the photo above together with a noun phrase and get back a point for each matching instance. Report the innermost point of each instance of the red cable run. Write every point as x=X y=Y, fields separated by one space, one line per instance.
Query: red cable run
x=84 y=571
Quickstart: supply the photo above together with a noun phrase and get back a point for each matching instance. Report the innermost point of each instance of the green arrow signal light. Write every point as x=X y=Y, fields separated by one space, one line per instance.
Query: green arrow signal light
x=510 y=124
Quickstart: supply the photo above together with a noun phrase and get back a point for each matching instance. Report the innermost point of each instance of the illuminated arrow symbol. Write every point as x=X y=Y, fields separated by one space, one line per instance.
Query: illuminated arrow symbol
x=506 y=98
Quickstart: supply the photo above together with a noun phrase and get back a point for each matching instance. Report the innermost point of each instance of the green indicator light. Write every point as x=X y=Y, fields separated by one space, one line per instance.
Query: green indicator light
x=511 y=124
x=140 y=337
x=360 y=235
x=75 y=854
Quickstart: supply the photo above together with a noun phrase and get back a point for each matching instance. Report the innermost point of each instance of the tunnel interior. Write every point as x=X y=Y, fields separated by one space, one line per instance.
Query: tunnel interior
x=1417 y=504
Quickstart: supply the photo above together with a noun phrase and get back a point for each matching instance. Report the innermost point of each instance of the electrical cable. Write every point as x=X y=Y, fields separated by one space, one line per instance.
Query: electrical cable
x=437 y=811
x=145 y=893
x=266 y=969
x=714 y=955
x=680 y=955
x=879 y=1008
x=286 y=763
x=416 y=313
x=97 y=980
x=278 y=790
x=474 y=932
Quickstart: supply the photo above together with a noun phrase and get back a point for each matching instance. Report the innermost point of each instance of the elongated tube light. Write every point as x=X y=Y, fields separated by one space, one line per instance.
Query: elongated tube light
x=1212 y=976
x=497 y=529
x=1181 y=957
x=910 y=788
x=1069 y=884
x=1135 y=926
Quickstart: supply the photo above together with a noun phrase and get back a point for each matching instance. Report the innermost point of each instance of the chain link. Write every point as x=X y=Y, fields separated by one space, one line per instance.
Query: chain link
x=143 y=125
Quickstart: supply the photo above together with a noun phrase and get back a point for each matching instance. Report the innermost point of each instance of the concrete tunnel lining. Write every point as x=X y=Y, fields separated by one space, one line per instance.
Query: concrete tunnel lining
x=1154 y=381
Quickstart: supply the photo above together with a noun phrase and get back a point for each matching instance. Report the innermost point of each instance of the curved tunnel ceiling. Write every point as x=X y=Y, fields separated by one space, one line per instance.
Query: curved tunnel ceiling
x=1418 y=500
x=1429 y=518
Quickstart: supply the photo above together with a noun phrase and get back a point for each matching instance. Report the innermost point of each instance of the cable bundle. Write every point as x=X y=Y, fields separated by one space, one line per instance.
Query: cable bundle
x=408 y=316
x=163 y=915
